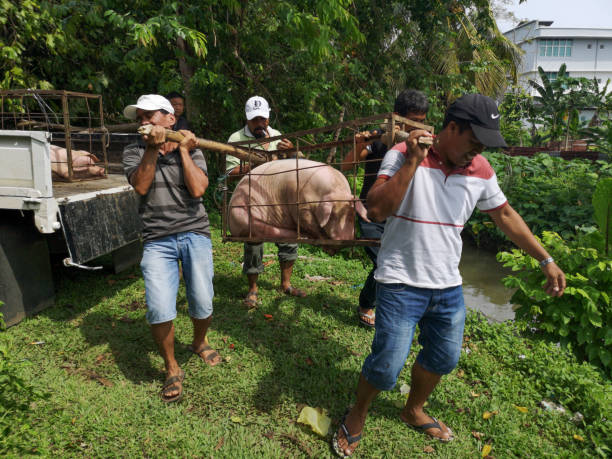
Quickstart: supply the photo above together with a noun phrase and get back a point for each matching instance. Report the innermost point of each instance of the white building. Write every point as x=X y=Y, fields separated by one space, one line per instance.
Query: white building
x=586 y=52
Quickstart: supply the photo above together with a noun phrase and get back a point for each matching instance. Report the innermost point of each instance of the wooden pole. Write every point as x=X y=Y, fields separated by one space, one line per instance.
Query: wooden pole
x=205 y=144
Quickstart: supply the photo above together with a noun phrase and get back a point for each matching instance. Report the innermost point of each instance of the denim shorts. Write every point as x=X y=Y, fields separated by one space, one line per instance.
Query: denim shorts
x=440 y=315
x=160 y=269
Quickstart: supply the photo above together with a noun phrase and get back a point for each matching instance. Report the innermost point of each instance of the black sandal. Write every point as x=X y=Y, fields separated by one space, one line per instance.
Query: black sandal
x=350 y=439
x=212 y=356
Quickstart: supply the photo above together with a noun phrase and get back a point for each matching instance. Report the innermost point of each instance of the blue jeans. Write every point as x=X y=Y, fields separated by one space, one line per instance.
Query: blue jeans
x=160 y=269
x=440 y=315
x=372 y=230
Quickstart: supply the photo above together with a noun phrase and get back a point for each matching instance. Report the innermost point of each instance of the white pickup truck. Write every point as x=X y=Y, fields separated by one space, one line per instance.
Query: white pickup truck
x=82 y=220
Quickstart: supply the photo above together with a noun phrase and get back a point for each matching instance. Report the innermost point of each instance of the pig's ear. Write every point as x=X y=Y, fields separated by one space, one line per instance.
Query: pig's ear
x=322 y=213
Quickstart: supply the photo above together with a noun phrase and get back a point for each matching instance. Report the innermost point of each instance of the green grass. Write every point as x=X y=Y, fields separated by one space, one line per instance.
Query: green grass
x=102 y=372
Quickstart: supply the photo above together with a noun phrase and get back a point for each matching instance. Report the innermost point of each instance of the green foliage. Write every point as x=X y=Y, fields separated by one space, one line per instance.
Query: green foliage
x=582 y=317
x=549 y=192
x=16 y=394
x=602 y=203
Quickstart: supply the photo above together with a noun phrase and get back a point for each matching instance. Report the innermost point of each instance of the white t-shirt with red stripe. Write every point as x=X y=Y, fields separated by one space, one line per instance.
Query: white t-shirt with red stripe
x=421 y=245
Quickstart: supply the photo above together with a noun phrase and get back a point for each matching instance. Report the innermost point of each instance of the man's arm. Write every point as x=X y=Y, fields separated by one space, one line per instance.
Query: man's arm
x=513 y=226
x=386 y=195
x=196 y=179
x=142 y=178
x=360 y=147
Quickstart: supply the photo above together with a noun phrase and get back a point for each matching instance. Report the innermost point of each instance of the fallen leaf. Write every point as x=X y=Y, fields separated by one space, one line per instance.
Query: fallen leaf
x=355 y=353
x=477 y=435
x=220 y=443
x=100 y=357
x=104 y=381
x=37 y=343
x=316 y=419
x=268 y=316
x=224 y=339
x=429 y=449
x=489 y=414
x=460 y=373
x=324 y=336
x=236 y=419
x=231 y=346
x=127 y=320
x=309 y=361
x=474 y=394
x=522 y=409
x=404 y=389
x=269 y=435
x=486 y=449
x=111 y=281
x=578 y=437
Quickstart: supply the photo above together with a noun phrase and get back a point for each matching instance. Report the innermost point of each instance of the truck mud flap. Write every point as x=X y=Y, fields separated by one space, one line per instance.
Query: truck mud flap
x=100 y=224
x=26 y=281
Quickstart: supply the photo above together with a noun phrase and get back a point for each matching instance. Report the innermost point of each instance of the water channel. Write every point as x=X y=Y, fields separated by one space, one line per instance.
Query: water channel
x=482 y=287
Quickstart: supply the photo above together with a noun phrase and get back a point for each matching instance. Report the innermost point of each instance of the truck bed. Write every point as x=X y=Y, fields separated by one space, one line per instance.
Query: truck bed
x=71 y=189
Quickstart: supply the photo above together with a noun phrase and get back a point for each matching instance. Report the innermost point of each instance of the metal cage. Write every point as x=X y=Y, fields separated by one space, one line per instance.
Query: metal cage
x=328 y=145
x=74 y=120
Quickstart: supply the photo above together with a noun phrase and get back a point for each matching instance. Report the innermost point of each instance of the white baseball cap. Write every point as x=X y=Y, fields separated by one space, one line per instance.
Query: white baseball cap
x=148 y=102
x=256 y=106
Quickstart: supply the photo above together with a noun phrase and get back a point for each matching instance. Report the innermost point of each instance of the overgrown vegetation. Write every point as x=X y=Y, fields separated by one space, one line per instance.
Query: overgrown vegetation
x=550 y=193
x=94 y=354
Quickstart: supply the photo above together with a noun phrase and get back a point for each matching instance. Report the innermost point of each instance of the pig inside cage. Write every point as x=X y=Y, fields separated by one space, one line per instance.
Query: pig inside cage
x=75 y=121
x=309 y=193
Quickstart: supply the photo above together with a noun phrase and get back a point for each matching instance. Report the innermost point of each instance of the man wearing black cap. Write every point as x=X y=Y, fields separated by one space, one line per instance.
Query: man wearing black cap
x=427 y=195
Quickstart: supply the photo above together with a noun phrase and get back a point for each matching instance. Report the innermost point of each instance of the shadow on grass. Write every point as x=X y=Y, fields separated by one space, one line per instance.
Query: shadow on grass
x=307 y=363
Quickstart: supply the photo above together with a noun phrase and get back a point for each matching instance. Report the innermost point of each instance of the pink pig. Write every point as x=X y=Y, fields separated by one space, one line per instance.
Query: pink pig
x=83 y=163
x=326 y=206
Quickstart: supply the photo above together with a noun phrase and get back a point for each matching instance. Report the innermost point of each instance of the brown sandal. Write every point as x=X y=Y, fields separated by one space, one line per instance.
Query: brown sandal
x=251 y=300
x=293 y=291
x=211 y=356
x=171 y=384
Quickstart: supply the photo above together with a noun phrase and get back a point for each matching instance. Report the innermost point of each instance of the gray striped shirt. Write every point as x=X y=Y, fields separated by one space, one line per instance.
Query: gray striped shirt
x=168 y=207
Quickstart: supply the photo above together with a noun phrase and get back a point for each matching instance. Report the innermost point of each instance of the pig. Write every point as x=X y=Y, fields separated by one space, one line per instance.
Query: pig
x=275 y=182
x=83 y=163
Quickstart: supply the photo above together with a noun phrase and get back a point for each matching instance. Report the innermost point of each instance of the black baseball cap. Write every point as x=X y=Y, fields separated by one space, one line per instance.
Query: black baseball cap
x=483 y=116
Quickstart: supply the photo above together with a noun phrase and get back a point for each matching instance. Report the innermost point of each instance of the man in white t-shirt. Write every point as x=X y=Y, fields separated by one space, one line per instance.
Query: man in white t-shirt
x=427 y=195
x=257 y=112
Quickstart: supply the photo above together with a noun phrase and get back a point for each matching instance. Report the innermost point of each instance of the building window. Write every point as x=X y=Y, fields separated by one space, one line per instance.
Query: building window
x=556 y=48
x=552 y=76
x=589 y=46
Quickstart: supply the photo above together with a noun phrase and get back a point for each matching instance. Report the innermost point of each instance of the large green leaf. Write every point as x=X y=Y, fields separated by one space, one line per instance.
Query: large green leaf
x=602 y=206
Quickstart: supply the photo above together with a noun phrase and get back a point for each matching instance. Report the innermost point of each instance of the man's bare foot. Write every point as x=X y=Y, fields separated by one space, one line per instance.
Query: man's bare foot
x=207 y=353
x=348 y=435
x=428 y=425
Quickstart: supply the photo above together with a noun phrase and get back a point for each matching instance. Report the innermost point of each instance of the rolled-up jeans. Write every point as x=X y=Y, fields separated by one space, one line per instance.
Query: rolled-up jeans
x=440 y=315
x=160 y=269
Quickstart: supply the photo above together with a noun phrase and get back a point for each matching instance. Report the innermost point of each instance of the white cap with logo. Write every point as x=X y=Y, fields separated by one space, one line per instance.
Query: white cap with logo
x=256 y=106
x=148 y=102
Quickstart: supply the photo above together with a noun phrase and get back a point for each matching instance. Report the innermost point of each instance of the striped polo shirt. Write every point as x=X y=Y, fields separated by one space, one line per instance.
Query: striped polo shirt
x=421 y=245
x=168 y=208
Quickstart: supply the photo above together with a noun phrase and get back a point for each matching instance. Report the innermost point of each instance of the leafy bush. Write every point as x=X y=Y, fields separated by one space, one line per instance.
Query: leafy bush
x=15 y=398
x=550 y=193
x=582 y=318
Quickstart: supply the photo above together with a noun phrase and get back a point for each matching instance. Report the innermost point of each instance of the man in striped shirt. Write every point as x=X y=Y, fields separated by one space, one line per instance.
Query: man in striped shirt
x=427 y=195
x=171 y=179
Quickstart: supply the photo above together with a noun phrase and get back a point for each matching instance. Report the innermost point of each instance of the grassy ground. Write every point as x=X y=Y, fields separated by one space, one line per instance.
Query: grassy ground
x=94 y=357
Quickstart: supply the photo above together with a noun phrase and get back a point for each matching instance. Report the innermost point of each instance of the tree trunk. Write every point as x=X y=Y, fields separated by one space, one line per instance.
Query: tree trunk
x=191 y=108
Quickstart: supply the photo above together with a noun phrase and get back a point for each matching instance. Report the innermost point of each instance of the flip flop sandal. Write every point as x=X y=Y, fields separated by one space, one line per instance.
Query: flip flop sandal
x=211 y=356
x=293 y=291
x=362 y=318
x=170 y=385
x=432 y=425
x=251 y=300
x=350 y=439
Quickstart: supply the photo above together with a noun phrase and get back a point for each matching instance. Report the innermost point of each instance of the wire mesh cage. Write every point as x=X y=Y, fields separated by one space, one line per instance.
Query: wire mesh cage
x=309 y=193
x=79 y=139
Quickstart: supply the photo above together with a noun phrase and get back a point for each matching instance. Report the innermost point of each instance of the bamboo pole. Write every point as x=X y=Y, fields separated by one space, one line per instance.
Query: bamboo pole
x=205 y=144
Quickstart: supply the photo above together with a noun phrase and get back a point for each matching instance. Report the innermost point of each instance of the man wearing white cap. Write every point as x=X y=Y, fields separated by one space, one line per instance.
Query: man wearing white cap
x=257 y=113
x=171 y=179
